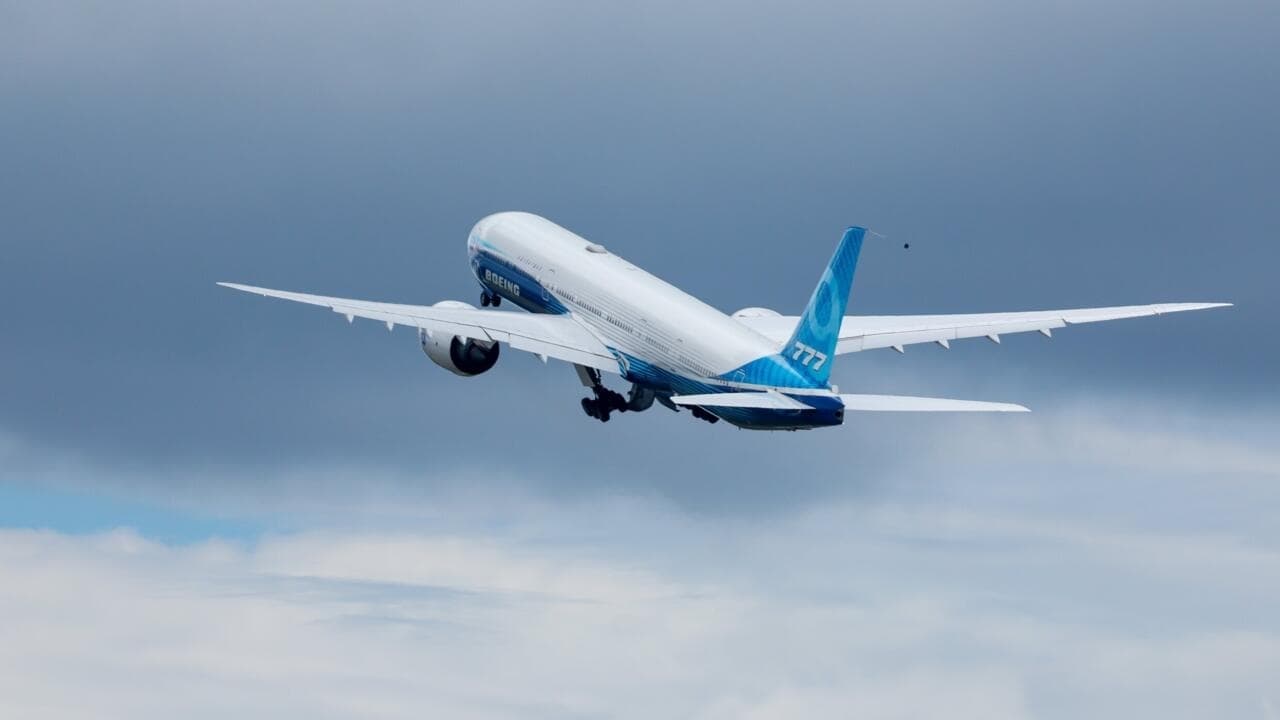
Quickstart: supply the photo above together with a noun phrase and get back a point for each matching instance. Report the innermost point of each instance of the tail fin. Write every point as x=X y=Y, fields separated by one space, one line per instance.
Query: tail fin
x=813 y=345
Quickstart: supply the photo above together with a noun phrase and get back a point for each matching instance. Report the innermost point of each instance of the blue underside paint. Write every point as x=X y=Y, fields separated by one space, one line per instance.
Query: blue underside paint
x=514 y=284
x=825 y=413
x=500 y=277
x=772 y=370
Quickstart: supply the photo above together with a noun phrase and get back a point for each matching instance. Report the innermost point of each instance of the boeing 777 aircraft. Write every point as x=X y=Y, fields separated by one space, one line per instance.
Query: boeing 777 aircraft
x=756 y=369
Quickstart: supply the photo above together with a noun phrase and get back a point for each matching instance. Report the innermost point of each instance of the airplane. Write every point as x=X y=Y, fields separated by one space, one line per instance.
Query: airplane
x=756 y=369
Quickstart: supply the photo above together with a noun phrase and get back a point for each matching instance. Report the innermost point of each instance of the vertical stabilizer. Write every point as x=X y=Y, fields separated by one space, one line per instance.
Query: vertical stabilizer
x=812 y=347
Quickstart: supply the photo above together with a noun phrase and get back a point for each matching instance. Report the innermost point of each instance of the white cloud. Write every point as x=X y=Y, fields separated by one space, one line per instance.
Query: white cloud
x=878 y=620
x=995 y=589
x=1130 y=436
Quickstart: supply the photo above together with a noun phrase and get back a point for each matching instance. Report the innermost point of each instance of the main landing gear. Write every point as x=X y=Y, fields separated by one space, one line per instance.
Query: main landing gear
x=487 y=298
x=605 y=401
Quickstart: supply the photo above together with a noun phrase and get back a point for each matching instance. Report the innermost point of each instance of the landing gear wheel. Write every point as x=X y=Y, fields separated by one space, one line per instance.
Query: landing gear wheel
x=605 y=402
x=594 y=408
x=484 y=299
x=610 y=399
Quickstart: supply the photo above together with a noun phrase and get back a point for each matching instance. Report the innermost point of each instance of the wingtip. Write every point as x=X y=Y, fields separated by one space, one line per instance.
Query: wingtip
x=1007 y=407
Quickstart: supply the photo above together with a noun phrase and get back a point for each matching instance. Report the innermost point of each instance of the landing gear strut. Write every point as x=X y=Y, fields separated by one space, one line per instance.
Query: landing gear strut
x=605 y=402
x=487 y=298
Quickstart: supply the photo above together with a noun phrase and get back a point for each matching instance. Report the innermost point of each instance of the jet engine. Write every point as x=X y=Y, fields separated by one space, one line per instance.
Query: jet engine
x=753 y=312
x=458 y=355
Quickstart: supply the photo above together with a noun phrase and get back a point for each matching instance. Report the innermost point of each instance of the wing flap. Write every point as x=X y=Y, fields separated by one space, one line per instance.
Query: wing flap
x=557 y=336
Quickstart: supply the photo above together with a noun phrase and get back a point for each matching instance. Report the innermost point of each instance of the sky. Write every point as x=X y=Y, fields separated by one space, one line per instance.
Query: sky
x=214 y=504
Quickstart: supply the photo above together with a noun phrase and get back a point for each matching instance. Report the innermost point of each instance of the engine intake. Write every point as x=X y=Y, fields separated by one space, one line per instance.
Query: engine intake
x=458 y=355
x=754 y=312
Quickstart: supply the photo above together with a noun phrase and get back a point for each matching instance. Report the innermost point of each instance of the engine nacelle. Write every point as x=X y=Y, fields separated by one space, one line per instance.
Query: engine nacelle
x=460 y=356
x=756 y=312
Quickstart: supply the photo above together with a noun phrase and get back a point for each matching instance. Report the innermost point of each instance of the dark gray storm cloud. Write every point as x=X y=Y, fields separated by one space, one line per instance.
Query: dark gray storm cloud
x=1033 y=157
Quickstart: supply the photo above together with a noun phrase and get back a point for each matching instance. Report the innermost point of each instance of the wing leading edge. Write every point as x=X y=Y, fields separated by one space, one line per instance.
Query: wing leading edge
x=870 y=332
x=557 y=336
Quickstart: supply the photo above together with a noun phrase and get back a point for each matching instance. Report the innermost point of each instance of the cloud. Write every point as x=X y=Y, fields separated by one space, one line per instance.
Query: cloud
x=1146 y=460
x=1014 y=584
x=895 y=612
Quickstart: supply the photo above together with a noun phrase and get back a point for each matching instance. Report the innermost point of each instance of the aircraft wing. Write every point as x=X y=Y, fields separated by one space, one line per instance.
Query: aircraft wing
x=557 y=336
x=869 y=332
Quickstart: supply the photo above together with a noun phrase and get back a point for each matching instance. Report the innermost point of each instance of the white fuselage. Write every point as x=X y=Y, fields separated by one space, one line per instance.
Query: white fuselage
x=543 y=267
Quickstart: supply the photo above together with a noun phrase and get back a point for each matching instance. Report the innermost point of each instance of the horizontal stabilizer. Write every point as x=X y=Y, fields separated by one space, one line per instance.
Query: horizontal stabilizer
x=904 y=403
x=774 y=400
x=768 y=400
